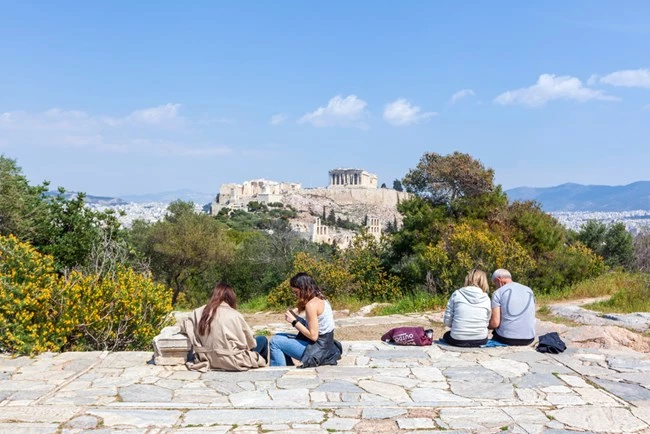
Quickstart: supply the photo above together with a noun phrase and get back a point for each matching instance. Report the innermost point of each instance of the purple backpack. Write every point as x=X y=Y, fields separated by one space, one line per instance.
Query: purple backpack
x=409 y=336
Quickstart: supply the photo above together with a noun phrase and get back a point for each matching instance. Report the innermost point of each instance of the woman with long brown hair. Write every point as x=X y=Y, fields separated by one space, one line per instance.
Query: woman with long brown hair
x=314 y=344
x=220 y=337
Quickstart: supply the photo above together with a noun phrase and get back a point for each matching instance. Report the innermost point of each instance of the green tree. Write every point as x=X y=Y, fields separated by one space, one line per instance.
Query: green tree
x=185 y=246
x=21 y=205
x=69 y=231
x=532 y=228
x=443 y=179
x=383 y=185
x=592 y=235
x=397 y=185
x=613 y=242
x=331 y=218
x=618 y=250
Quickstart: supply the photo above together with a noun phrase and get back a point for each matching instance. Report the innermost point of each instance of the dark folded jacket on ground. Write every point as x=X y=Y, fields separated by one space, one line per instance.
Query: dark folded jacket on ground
x=325 y=351
x=551 y=343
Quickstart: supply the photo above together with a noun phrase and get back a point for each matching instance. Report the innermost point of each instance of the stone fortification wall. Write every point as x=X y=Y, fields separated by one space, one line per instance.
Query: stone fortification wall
x=261 y=190
x=353 y=204
x=349 y=196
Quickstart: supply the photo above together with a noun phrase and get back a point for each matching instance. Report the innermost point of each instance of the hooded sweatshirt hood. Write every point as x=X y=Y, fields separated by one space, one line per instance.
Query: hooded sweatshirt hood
x=473 y=294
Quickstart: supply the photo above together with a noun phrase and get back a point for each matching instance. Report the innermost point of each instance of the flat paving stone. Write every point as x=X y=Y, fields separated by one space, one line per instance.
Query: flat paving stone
x=397 y=354
x=29 y=428
x=254 y=416
x=595 y=419
x=338 y=386
x=382 y=413
x=474 y=418
x=480 y=390
x=137 y=417
x=472 y=373
x=145 y=393
x=83 y=422
x=506 y=368
x=537 y=380
x=625 y=391
x=340 y=424
x=44 y=414
x=389 y=391
x=432 y=396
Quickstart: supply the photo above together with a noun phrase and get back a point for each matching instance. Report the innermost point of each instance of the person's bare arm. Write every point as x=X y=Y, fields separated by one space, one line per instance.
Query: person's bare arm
x=311 y=313
x=495 y=319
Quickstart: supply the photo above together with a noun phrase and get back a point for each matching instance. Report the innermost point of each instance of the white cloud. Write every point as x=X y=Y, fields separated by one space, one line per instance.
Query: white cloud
x=461 y=94
x=278 y=119
x=136 y=132
x=155 y=115
x=626 y=78
x=401 y=113
x=551 y=87
x=343 y=112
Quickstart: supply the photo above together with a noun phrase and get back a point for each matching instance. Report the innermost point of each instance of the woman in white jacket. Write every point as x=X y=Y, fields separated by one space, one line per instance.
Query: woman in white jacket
x=468 y=312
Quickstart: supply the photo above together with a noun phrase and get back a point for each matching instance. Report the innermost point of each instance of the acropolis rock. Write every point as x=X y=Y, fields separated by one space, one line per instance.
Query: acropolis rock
x=351 y=193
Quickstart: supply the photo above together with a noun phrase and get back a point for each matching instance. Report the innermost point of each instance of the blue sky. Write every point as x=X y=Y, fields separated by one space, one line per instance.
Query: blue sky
x=129 y=97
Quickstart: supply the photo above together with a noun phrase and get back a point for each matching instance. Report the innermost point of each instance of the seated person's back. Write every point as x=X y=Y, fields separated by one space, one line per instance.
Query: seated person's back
x=220 y=337
x=513 y=311
x=468 y=312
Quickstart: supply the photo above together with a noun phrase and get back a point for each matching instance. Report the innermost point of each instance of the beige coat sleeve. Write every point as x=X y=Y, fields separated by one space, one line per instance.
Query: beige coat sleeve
x=248 y=333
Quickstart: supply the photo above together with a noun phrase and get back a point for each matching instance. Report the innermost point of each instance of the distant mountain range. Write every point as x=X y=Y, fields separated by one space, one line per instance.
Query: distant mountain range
x=577 y=197
x=165 y=197
x=565 y=197
x=170 y=196
x=97 y=200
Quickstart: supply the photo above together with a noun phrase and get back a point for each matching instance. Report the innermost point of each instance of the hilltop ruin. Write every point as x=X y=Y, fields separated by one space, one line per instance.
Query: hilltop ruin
x=352 y=194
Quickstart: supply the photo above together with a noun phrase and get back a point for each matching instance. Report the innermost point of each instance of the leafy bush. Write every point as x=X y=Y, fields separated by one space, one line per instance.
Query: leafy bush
x=613 y=242
x=356 y=272
x=561 y=268
x=464 y=247
x=42 y=311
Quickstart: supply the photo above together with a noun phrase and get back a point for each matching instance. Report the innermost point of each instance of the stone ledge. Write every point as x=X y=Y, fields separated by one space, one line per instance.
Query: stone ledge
x=170 y=347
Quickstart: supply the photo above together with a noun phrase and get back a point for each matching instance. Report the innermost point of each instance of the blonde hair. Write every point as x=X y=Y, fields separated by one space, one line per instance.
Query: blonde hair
x=477 y=278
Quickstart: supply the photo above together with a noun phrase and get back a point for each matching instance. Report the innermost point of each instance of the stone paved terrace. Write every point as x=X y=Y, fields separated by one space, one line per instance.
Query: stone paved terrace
x=376 y=388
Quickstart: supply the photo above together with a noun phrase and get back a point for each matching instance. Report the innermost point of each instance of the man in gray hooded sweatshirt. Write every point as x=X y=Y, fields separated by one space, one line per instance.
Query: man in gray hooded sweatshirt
x=468 y=312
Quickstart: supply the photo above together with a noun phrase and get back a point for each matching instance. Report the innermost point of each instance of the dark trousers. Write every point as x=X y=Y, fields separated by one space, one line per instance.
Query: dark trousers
x=510 y=341
x=458 y=343
x=262 y=347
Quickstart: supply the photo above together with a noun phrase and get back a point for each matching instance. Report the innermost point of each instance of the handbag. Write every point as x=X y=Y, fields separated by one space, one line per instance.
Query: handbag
x=417 y=336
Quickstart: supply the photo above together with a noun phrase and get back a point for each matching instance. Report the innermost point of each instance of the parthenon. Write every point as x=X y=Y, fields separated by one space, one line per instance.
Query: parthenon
x=350 y=178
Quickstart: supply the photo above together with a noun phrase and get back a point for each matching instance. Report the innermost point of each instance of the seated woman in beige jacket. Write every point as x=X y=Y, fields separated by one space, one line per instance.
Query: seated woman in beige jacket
x=220 y=337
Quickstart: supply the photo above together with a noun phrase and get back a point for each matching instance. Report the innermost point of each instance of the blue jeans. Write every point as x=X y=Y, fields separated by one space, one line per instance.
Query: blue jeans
x=284 y=347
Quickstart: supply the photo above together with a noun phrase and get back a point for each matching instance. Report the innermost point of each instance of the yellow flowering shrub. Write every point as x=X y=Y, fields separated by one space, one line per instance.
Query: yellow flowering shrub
x=355 y=272
x=330 y=275
x=41 y=311
x=464 y=247
x=28 y=285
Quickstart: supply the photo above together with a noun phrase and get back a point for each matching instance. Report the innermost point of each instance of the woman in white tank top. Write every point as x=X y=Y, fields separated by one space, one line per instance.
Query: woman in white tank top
x=314 y=343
